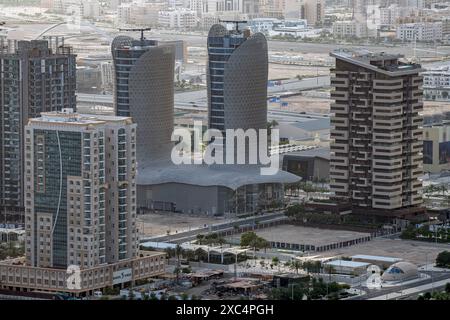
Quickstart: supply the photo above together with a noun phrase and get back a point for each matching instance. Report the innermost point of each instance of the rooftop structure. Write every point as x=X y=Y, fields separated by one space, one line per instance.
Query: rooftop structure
x=376 y=258
x=388 y=64
x=311 y=239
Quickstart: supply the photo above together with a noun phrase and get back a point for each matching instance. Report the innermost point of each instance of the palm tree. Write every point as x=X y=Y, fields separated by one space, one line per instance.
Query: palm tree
x=200 y=238
x=270 y=125
x=275 y=262
x=296 y=265
x=178 y=252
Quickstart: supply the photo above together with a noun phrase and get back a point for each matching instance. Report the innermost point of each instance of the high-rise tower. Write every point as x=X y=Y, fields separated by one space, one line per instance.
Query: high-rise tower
x=376 y=134
x=80 y=190
x=144 y=90
x=34 y=78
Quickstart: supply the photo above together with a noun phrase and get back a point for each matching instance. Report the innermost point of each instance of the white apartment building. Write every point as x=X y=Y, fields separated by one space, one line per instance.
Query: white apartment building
x=140 y=13
x=347 y=29
x=436 y=84
x=212 y=6
x=124 y=13
x=197 y=6
x=91 y=9
x=411 y=3
x=107 y=72
x=208 y=20
x=420 y=31
x=178 y=19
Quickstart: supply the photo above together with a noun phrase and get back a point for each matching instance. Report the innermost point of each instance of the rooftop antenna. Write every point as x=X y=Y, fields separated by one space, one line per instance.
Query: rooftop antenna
x=236 y=22
x=138 y=29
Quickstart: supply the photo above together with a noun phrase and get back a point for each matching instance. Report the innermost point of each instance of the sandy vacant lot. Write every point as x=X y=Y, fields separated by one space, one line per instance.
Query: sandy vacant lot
x=159 y=223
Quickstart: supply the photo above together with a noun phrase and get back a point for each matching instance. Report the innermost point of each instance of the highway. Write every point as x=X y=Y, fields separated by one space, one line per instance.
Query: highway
x=198 y=98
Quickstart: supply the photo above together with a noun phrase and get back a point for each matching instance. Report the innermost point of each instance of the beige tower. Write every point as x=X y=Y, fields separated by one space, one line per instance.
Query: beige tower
x=376 y=148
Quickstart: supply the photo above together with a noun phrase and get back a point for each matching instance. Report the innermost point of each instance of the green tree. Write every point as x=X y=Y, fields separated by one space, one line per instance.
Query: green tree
x=443 y=259
x=296 y=211
x=276 y=262
x=200 y=238
x=248 y=238
x=184 y=296
x=296 y=265
x=153 y=296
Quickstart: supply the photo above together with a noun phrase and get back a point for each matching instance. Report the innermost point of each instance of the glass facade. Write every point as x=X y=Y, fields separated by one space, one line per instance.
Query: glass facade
x=444 y=152
x=126 y=57
x=219 y=51
x=427 y=152
x=58 y=155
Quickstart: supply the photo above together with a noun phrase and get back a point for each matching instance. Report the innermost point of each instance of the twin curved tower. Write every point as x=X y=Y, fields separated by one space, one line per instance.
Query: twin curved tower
x=143 y=90
x=237 y=74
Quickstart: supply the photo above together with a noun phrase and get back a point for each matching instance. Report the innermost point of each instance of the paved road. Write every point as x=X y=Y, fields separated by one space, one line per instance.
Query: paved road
x=305 y=47
x=199 y=40
x=199 y=97
x=439 y=280
x=228 y=225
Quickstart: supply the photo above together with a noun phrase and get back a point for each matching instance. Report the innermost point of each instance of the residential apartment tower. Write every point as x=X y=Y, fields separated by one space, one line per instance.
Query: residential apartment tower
x=376 y=146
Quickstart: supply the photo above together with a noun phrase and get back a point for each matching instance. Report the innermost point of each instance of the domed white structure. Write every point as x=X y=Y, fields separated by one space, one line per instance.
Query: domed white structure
x=400 y=271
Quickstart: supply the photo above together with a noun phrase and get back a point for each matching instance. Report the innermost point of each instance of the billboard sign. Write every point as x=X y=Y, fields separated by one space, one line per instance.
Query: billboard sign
x=122 y=276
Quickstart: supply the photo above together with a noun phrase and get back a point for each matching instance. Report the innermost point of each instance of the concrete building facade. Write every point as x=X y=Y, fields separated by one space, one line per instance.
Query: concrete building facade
x=35 y=78
x=376 y=135
x=436 y=147
x=349 y=29
x=420 y=31
x=80 y=206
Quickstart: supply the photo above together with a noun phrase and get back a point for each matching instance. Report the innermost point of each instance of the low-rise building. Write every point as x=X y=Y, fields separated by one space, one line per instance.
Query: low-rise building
x=346 y=267
x=400 y=271
x=140 y=13
x=349 y=29
x=310 y=164
x=17 y=276
x=436 y=84
x=436 y=147
x=178 y=19
x=420 y=31
x=382 y=262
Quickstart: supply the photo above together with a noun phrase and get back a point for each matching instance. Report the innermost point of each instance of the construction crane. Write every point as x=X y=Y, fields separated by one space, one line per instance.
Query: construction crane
x=236 y=22
x=141 y=30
